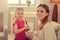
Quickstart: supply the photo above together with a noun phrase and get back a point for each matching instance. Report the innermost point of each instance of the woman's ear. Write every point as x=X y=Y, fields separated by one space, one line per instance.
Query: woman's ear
x=47 y=14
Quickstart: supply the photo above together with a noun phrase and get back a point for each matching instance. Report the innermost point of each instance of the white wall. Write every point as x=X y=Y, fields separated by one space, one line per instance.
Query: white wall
x=4 y=9
x=59 y=13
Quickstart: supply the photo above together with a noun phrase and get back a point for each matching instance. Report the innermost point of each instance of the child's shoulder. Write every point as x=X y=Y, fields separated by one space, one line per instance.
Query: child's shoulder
x=23 y=20
x=15 y=21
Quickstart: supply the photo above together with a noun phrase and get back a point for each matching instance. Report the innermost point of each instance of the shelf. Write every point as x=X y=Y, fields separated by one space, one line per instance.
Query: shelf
x=18 y=6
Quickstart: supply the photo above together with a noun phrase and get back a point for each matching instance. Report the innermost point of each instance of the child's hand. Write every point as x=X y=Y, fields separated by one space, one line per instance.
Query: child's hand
x=25 y=27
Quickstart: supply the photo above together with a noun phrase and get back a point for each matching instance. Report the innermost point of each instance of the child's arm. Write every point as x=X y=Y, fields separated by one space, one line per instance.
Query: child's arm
x=16 y=30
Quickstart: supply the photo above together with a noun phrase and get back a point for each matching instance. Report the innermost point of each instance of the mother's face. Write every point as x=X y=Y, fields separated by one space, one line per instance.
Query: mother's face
x=41 y=13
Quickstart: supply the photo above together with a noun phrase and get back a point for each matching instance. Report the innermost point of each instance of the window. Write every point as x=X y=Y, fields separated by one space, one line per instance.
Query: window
x=19 y=1
x=13 y=1
x=32 y=1
x=23 y=1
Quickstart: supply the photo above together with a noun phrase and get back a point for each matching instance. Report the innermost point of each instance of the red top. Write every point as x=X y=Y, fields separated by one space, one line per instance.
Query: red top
x=21 y=35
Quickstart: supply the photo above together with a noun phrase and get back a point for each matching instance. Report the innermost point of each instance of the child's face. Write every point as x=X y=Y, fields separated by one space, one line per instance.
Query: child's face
x=19 y=14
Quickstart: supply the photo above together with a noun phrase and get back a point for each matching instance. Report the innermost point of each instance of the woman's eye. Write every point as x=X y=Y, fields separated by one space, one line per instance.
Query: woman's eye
x=42 y=11
x=37 y=10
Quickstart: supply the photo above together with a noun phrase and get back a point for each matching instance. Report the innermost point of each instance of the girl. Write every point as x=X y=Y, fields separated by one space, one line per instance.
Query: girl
x=46 y=28
x=19 y=26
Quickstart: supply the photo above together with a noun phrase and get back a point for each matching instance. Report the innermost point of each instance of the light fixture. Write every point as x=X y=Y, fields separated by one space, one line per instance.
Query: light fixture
x=28 y=2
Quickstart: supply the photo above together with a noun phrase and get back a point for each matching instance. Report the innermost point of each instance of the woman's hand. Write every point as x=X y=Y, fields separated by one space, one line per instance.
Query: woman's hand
x=30 y=34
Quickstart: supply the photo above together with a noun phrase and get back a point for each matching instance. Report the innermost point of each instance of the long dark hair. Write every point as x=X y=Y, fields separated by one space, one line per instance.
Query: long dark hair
x=47 y=11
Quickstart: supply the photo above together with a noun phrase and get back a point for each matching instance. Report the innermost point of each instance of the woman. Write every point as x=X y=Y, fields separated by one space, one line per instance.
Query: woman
x=46 y=28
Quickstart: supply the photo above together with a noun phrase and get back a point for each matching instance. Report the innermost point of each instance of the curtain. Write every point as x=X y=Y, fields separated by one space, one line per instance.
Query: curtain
x=55 y=13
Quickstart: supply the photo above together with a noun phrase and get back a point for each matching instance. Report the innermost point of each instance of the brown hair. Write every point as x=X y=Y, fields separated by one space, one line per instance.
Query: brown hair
x=47 y=11
x=45 y=7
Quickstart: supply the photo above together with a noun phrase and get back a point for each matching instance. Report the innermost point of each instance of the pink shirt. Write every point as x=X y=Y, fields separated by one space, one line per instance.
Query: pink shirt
x=21 y=35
